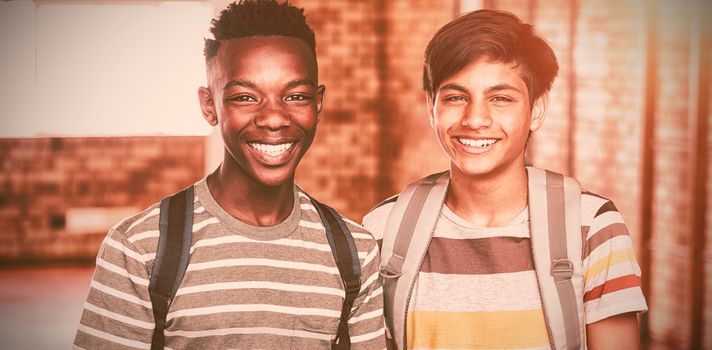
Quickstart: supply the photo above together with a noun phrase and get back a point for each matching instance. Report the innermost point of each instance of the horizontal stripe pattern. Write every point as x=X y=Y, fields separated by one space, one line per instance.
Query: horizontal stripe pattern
x=259 y=285
x=482 y=292
x=477 y=330
x=601 y=266
x=612 y=285
x=279 y=264
x=119 y=294
x=117 y=317
x=127 y=250
x=239 y=291
x=114 y=339
x=614 y=303
x=477 y=289
x=252 y=308
x=611 y=272
x=614 y=271
x=603 y=235
x=149 y=214
x=483 y=256
x=465 y=267
x=286 y=242
x=267 y=331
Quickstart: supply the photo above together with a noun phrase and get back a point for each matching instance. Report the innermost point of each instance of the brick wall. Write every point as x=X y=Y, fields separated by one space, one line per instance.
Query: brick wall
x=707 y=318
x=340 y=167
x=43 y=178
x=593 y=126
x=671 y=308
x=374 y=136
x=607 y=94
x=408 y=147
x=549 y=146
x=609 y=71
x=375 y=121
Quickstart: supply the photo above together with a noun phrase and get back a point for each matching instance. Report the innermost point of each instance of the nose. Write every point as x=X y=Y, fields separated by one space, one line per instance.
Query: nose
x=273 y=116
x=477 y=115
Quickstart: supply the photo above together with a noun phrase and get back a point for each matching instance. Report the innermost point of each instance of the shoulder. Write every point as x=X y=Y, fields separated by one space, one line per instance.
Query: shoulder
x=375 y=220
x=593 y=205
x=138 y=224
x=362 y=237
x=602 y=225
x=597 y=208
x=126 y=238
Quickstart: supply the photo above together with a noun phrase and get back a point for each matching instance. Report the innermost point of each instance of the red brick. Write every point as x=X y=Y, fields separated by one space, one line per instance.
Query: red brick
x=84 y=172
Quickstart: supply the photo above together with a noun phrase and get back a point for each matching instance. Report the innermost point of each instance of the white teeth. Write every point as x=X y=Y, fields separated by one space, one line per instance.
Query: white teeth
x=272 y=150
x=481 y=143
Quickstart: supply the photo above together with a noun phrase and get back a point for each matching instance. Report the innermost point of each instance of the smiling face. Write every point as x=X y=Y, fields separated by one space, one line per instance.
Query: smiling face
x=482 y=117
x=263 y=94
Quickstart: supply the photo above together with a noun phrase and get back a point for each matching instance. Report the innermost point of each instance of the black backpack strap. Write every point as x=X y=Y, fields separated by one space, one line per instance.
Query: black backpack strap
x=346 y=256
x=176 y=230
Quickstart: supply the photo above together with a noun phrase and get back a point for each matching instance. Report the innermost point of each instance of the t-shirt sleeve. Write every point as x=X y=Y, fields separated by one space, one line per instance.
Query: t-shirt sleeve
x=375 y=220
x=117 y=312
x=366 y=326
x=611 y=272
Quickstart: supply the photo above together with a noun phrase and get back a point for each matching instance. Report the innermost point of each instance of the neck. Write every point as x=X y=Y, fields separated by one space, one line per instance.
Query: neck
x=249 y=201
x=488 y=200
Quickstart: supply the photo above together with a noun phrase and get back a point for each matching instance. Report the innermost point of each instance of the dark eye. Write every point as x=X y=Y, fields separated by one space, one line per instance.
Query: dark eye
x=242 y=98
x=455 y=98
x=501 y=99
x=297 y=97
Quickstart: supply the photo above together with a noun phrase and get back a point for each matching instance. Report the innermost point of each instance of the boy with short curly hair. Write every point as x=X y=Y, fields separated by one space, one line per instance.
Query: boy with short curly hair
x=261 y=271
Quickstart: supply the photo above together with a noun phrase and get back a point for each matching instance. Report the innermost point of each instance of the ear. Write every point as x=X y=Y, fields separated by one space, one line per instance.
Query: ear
x=430 y=105
x=320 y=100
x=541 y=105
x=207 y=105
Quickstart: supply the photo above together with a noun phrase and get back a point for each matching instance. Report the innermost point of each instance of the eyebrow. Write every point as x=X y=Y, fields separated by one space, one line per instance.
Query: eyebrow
x=251 y=85
x=495 y=88
x=299 y=82
x=244 y=83
x=453 y=87
x=500 y=87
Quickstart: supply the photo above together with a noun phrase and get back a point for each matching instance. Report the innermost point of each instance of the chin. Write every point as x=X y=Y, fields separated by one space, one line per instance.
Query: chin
x=274 y=178
x=474 y=169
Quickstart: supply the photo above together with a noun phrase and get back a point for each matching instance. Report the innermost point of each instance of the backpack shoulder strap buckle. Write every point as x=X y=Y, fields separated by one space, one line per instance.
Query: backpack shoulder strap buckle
x=393 y=268
x=562 y=270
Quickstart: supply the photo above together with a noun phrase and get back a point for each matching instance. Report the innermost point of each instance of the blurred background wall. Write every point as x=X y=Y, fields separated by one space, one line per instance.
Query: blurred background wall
x=629 y=117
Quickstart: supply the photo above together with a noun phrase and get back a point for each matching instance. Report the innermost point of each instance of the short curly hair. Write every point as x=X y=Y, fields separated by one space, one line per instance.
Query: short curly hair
x=498 y=35
x=249 y=18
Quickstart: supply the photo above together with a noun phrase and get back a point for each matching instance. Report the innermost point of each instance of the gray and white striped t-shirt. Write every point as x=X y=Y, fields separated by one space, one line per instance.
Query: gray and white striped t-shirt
x=245 y=287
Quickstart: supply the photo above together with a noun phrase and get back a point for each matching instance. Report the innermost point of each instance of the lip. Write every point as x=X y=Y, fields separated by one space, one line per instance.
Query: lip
x=273 y=159
x=474 y=149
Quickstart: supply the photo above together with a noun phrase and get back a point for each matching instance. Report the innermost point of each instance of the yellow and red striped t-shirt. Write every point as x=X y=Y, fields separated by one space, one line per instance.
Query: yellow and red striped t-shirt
x=477 y=287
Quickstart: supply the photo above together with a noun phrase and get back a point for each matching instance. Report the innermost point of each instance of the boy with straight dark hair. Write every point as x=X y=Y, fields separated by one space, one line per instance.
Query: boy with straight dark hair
x=493 y=254
x=253 y=262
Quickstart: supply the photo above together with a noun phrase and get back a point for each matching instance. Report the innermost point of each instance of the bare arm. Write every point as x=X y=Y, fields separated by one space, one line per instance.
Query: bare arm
x=615 y=332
